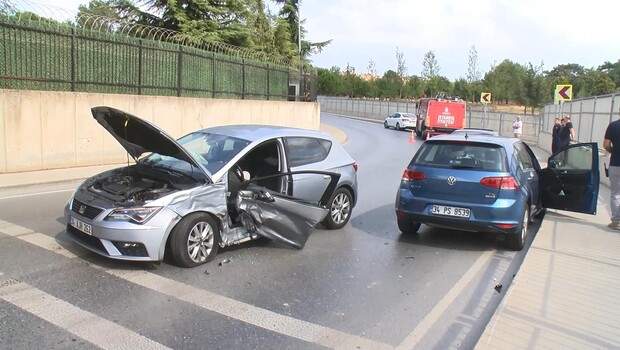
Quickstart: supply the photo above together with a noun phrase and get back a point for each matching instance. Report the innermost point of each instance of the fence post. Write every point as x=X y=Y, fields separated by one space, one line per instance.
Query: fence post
x=243 y=78
x=179 y=69
x=72 y=60
x=139 y=66
x=501 y=122
x=268 y=70
x=611 y=110
x=213 y=75
x=593 y=117
x=580 y=113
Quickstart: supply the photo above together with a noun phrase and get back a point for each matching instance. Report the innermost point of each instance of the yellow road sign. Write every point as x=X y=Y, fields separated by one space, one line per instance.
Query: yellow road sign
x=485 y=97
x=563 y=92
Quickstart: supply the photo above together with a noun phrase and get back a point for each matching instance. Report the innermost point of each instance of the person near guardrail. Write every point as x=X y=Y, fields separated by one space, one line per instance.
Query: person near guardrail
x=612 y=145
x=566 y=133
x=517 y=127
x=555 y=136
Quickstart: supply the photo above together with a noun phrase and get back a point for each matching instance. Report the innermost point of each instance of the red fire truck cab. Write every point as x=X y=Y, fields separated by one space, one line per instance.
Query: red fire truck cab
x=439 y=116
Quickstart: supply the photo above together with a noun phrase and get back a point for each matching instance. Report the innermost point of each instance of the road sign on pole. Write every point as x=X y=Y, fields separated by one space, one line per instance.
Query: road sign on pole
x=563 y=92
x=485 y=97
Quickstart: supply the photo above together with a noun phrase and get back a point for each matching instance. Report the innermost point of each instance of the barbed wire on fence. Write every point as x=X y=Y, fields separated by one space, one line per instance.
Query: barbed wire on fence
x=26 y=11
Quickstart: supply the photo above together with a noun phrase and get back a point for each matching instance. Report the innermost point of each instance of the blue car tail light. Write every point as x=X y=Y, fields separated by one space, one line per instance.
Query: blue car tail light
x=500 y=183
x=412 y=175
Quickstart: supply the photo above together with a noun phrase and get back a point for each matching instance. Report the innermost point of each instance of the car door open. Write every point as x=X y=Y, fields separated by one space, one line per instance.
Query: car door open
x=281 y=217
x=571 y=180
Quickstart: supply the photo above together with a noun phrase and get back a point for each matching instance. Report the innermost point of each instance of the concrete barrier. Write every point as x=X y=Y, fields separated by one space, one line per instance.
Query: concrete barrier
x=42 y=130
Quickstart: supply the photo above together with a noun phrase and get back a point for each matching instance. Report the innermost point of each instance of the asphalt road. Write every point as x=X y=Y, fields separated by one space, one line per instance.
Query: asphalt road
x=363 y=287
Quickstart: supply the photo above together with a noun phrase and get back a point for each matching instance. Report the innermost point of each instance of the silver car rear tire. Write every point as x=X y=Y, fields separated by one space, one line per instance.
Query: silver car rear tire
x=340 y=209
x=194 y=240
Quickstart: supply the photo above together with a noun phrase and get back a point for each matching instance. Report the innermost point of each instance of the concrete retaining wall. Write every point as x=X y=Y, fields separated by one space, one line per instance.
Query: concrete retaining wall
x=50 y=130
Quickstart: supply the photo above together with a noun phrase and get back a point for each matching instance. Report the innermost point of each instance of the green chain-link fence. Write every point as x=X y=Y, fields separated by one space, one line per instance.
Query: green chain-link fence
x=41 y=56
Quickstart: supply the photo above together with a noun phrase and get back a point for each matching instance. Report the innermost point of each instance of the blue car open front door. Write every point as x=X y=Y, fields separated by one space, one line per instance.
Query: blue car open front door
x=571 y=180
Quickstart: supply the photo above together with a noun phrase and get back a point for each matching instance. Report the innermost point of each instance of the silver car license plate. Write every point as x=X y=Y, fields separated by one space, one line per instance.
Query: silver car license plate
x=450 y=211
x=82 y=226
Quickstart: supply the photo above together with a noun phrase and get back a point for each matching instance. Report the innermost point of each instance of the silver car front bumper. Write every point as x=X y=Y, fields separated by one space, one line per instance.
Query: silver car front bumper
x=124 y=240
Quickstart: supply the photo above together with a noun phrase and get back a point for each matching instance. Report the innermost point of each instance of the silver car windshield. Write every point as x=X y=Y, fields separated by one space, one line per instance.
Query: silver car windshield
x=212 y=151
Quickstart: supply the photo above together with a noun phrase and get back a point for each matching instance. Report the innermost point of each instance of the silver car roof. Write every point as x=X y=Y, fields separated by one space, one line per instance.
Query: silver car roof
x=260 y=133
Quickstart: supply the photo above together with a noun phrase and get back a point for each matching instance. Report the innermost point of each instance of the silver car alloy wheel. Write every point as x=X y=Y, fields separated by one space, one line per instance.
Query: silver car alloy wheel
x=341 y=207
x=200 y=241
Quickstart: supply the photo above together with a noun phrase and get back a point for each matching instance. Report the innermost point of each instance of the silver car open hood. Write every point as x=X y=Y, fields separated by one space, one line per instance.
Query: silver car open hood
x=138 y=136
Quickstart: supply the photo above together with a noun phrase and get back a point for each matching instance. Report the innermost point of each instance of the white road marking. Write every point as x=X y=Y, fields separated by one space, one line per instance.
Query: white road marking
x=412 y=340
x=36 y=194
x=88 y=326
x=210 y=301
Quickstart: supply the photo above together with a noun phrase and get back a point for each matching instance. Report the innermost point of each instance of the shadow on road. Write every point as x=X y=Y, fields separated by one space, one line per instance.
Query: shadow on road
x=374 y=223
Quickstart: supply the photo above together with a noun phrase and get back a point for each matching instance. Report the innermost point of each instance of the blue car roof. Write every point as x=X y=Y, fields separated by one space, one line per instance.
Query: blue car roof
x=505 y=142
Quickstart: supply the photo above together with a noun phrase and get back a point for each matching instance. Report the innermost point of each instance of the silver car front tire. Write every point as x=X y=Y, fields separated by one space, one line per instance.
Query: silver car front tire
x=195 y=240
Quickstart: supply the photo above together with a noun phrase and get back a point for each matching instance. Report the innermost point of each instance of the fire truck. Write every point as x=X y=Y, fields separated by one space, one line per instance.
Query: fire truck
x=439 y=115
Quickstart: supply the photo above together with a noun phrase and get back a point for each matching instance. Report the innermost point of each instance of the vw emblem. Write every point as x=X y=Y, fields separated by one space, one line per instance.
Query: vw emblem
x=82 y=209
x=451 y=180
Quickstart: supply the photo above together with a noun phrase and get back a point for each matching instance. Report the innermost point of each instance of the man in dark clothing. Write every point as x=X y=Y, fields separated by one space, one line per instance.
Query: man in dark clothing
x=566 y=133
x=612 y=145
x=555 y=136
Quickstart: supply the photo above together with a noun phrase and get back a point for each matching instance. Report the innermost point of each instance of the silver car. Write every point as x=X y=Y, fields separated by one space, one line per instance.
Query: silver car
x=210 y=189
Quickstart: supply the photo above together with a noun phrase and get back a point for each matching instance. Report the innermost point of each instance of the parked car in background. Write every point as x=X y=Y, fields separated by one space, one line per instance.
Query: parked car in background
x=400 y=121
x=210 y=189
x=493 y=184
x=439 y=116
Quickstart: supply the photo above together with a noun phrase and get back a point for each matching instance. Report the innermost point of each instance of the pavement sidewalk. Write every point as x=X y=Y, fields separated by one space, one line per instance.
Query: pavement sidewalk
x=565 y=295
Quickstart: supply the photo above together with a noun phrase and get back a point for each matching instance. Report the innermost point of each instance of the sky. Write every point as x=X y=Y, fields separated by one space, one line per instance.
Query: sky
x=536 y=31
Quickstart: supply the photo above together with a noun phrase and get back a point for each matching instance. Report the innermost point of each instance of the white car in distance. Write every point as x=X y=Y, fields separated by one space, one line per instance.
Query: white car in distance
x=400 y=121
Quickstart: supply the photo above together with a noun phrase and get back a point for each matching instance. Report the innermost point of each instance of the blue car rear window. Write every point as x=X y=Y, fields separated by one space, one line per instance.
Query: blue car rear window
x=461 y=155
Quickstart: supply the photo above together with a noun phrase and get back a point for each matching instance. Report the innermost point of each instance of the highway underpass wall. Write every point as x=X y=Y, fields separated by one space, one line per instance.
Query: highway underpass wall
x=41 y=130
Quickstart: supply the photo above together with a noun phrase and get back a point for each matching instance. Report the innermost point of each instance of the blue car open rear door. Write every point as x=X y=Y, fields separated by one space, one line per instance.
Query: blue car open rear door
x=571 y=180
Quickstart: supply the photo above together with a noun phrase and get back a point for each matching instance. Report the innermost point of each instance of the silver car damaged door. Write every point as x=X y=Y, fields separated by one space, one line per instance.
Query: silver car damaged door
x=280 y=217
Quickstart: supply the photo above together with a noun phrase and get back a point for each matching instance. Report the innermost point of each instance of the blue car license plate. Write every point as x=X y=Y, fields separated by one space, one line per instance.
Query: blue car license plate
x=450 y=211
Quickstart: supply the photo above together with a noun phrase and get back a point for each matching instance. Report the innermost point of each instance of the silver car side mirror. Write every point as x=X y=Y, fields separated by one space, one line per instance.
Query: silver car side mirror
x=246 y=176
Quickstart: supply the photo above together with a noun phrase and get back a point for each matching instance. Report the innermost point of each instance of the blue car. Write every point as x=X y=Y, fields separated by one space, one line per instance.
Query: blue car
x=487 y=183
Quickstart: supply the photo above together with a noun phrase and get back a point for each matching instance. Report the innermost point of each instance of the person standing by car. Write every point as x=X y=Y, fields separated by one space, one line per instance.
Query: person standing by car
x=566 y=133
x=612 y=145
x=517 y=127
x=555 y=136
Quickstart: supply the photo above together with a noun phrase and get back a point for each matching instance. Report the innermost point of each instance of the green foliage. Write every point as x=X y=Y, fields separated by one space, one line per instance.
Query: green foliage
x=595 y=82
x=612 y=70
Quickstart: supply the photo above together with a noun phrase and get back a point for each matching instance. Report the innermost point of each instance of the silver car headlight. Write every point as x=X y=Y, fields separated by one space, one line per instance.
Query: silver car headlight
x=137 y=215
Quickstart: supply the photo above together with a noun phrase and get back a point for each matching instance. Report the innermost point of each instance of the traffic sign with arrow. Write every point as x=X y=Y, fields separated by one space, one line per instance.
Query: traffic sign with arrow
x=563 y=92
x=485 y=97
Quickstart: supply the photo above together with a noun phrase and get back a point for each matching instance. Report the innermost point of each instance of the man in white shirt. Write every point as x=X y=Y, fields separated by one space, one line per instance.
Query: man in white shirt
x=517 y=127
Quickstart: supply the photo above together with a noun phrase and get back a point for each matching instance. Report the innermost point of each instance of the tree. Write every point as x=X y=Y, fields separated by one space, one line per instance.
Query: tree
x=401 y=69
x=612 y=70
x=473 y=74
x=371 y=69
x=430 y=66
x=438 y=84
x=505 y=81
x=570 y=73
x=389 y=84
x=461 y=88
x=472 y=87
x=595 y=82
x=289 y=12
x=533 y=86
x=261 y=30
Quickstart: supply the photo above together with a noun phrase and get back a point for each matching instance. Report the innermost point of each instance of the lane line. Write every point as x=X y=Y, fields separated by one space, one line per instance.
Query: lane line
x=412 y=340
x=222 y=305
x=36 y=194
x=88 y=326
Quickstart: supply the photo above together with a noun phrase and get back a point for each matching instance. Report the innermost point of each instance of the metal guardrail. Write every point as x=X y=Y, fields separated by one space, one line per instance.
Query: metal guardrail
x=476 y=118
